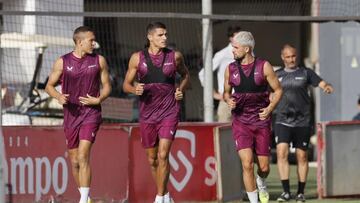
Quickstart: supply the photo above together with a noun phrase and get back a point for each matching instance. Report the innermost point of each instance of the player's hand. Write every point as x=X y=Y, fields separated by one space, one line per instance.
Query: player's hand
x=89 y=100
x=328 y=89
x=265 y=113
x=178 y=94
x=63 y=99
x=139 y=88
x=218 y=96
x=231 y=103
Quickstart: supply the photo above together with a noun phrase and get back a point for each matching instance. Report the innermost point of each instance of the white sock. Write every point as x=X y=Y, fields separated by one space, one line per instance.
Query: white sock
x=80 y=193
x=253 y=196
x=159 y=199
x=84 y=192
x=261 y=183
x=167 y=198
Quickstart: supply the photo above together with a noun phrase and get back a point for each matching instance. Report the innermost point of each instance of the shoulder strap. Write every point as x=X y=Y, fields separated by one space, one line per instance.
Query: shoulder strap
x=148 y=59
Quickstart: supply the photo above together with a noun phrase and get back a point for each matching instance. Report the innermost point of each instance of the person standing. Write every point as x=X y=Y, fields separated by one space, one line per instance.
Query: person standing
x=81 y=74
x=251 y=78
x=220 y=61
x=292 y=122
x=154 y=70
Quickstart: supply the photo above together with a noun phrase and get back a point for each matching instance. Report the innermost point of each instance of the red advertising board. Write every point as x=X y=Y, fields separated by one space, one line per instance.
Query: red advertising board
x=192 y=165
x=38 y=167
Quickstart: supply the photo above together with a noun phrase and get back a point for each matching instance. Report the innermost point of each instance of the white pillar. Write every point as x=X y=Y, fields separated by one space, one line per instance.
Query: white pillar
x=207 y=60
x=3 y=174
x=314 y=54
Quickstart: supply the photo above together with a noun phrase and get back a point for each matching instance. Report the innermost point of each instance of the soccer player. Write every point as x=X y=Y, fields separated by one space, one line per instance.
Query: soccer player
x=155 y=69
x=81 y=74
x=292 y=122
x=251 y=78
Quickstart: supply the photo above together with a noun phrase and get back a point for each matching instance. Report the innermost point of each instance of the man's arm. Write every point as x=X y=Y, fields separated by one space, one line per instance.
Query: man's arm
x=183 y=71
x=316 y=81
x=53 y=80
x=105 y=83
x=227 y=90
x=274 y=83
x=105 y=79
x=326 y=87
x=128 y=85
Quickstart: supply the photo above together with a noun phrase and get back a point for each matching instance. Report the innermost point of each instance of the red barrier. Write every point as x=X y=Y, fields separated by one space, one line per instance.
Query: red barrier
x=38 y=166
x=320 y=148
x=39 y=169
x=192 y=163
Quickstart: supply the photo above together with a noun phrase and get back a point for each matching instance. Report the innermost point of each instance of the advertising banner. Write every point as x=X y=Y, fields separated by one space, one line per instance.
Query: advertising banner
x=38 y=166
x=192 y=166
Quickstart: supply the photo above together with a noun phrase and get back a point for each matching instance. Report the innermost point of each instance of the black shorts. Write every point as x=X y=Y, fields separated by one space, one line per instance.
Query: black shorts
x=299 y=136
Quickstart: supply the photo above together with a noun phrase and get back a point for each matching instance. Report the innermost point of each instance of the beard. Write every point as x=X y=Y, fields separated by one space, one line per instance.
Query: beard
x=239 y=59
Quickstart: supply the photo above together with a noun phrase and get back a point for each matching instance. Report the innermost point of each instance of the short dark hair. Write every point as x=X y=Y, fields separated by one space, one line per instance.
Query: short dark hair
x=232 y=30
x=154 y=25
x=81 y=29
x=151 y=27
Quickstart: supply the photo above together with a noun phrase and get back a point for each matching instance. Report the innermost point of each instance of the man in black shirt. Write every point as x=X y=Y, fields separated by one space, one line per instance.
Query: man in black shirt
x=293 y=119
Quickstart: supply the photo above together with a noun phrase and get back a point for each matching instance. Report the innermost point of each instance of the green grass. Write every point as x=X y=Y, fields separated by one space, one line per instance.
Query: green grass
x=275 y=188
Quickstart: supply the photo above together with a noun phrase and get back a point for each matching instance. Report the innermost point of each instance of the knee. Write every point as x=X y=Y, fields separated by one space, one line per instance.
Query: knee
x=83 y=159
x=248 y=166
x=163 y=156
x=282 y=156
x=265 y=169
x=74 y=162
x=302 y=158
x=152 y=161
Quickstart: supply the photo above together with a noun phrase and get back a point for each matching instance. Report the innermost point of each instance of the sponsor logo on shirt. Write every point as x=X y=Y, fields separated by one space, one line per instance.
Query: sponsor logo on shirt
x=235 y=75
x=167 y=64
x=144 y=64
x=299 y=78
x=92 y=66
x=256 y=73
x=69 y=68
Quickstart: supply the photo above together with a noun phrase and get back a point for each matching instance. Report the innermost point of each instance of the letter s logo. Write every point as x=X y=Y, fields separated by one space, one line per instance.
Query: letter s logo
x=179 y=185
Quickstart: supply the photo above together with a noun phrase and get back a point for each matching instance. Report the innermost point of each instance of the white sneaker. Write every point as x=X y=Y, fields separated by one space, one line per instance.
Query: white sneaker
x=159 y=199
x=168 y=199
x=264 y=196
x=262 y=186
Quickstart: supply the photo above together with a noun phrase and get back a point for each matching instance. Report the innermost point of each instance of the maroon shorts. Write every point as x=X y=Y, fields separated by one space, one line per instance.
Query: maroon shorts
x=152 y=132
x=83 y=132
x=253 y=137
